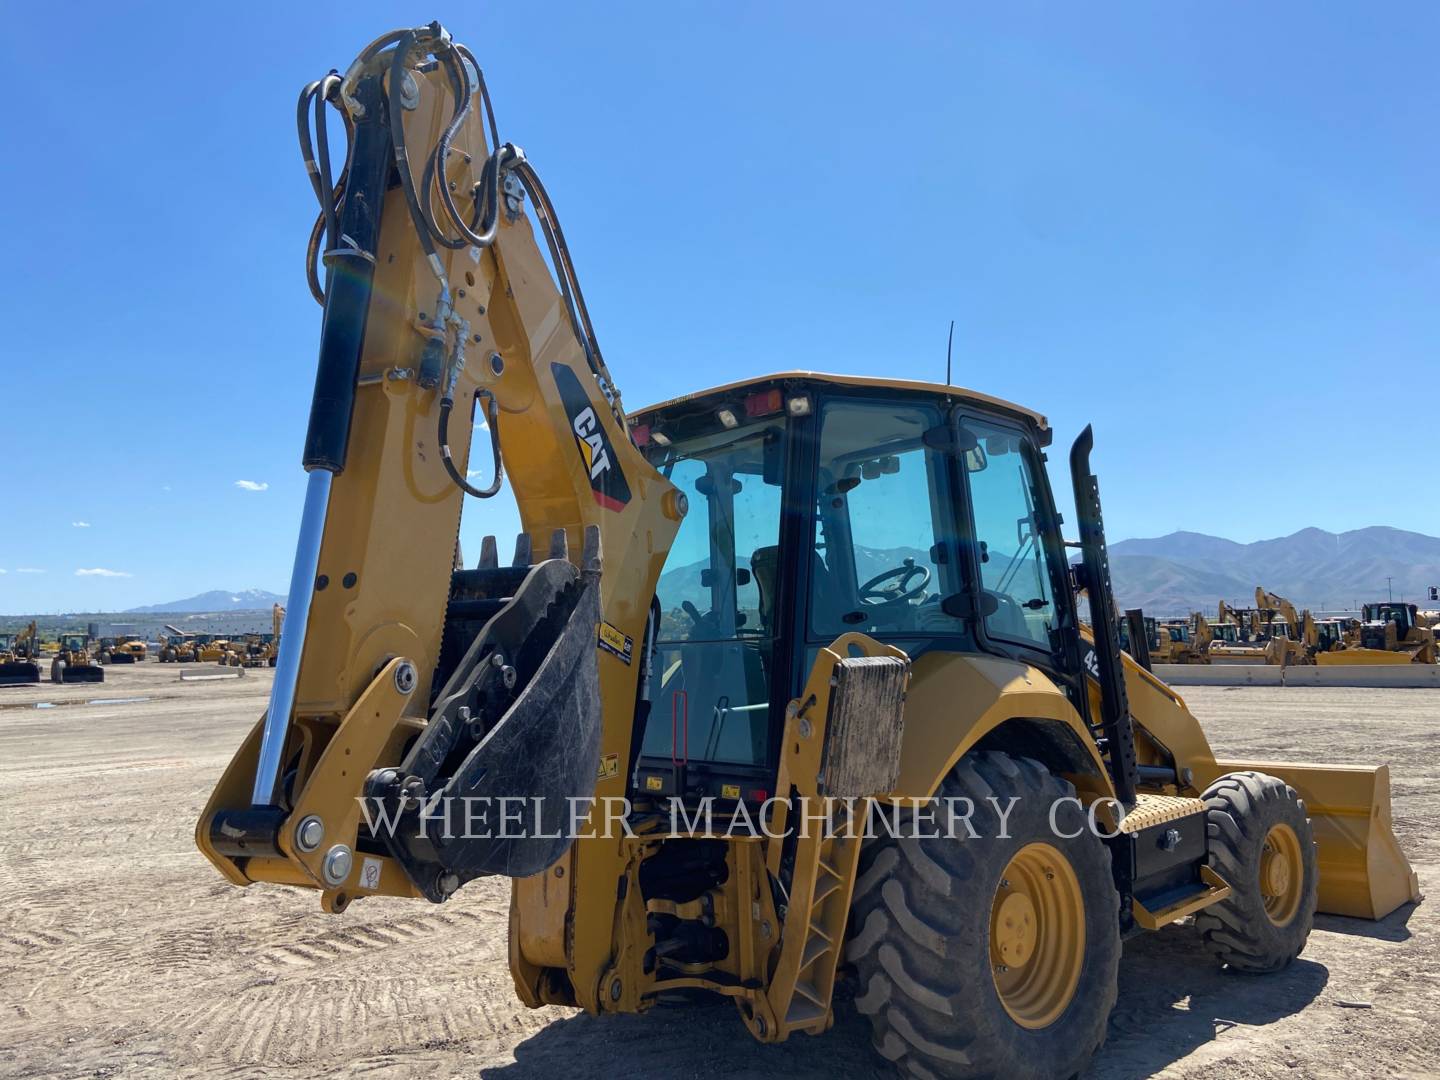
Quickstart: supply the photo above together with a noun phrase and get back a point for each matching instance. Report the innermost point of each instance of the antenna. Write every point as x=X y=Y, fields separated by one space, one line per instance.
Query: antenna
x=949 y=343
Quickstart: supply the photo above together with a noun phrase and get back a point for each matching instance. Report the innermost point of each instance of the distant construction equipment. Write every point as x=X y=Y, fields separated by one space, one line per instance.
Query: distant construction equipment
x=1274 y=632
x=178 y=647
x=73 y=662
x=1389 y=633
x=123 y=649
x=17 y=657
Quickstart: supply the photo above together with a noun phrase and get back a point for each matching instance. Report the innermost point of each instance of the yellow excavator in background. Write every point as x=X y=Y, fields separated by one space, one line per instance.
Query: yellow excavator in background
x=1389 y=633
x=18 y=654
x=719 y=612
x=1299 y=641
x=73 y=661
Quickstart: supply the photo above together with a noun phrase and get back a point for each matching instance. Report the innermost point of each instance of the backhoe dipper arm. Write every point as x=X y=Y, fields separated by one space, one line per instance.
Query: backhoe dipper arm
x=435 y=293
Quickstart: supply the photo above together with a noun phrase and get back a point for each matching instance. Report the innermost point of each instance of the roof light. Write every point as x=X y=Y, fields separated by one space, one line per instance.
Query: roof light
x=660 y=438
x=799 y=405
x=728 y=418
x=763 y=404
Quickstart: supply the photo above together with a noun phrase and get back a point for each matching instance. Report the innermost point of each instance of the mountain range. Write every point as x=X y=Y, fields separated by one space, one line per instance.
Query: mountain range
x=1166 y=575
x=1324 y=571
x=216 y=600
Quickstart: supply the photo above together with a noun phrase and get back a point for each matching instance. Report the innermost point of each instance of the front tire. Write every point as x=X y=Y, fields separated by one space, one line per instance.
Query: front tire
x=990 y=956
x=1262 y=845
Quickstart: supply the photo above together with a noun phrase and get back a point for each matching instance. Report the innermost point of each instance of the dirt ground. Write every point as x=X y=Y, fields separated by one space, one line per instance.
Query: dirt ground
x=123 y=953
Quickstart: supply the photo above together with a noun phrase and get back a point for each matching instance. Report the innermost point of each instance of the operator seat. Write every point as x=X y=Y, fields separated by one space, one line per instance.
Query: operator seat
x=824 y=603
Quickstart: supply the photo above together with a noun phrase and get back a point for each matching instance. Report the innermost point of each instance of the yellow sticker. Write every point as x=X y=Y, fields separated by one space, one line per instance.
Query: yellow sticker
x=654 y=783
x=609 y=766
x=729 y=791
x=616 y=642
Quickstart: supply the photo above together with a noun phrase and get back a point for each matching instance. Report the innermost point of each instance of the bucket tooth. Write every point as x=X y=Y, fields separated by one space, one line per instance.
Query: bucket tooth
x=559 y=545
x=590 y=550
x=489 y=554
x=522 y=550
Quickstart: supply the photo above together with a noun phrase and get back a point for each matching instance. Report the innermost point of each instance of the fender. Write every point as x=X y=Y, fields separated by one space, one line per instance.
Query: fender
x=955 y=700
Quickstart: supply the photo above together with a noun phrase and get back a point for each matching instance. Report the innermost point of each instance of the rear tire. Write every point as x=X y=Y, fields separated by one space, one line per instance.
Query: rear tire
x=1262 y=845
x=929 y=939
x=57 y=670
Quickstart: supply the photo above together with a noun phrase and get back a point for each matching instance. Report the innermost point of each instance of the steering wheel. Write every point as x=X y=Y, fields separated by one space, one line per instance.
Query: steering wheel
x=898 y=590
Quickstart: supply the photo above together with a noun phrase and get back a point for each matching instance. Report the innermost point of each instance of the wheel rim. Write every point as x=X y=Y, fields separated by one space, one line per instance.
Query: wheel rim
x=1037 y=935
x=1282 y=874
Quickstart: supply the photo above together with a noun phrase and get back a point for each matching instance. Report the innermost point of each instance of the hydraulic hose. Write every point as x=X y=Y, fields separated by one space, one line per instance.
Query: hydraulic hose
x=492 y=421
x=324 y=234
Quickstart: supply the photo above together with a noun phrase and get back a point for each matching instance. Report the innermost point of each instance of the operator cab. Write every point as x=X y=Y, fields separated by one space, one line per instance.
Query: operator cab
x=1225 y=633
x=917 y=514
x=1402 y=615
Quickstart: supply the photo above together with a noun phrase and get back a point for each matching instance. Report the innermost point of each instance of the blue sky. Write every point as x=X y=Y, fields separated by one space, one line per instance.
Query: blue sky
x=1210 y=229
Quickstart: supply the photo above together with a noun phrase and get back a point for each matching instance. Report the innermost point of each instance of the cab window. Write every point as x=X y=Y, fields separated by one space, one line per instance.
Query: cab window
x=1009 y=544
x=885 y=551
x=717 y=619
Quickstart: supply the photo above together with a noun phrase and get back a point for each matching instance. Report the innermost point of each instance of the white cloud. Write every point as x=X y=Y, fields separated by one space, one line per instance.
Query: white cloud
x=100 y=571
x=252 y=485
x=165 y=488
x=4 y=571
x=28 y=570
x=80 y=524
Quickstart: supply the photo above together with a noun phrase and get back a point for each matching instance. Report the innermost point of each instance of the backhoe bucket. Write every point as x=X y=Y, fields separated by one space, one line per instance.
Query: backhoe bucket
x=19 y=672
x=1363 y=872
x=513 y=744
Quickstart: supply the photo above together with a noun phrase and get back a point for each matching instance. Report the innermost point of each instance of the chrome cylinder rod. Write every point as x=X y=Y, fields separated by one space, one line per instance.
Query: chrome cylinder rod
x=292 y=637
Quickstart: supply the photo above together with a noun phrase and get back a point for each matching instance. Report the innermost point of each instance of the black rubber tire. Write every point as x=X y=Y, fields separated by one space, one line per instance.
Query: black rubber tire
x=1241 y=809
x=920 y=928
x=57 y=670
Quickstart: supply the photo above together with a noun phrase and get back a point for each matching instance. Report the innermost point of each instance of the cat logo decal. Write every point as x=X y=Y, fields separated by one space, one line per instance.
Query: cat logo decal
x=611 y=489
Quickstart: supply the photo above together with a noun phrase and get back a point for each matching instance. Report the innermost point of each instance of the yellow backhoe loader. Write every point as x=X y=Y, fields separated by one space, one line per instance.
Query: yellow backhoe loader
x=1389 y=633
x=74 y=663
x=18 y=654
x=256 y=650
x=123 y=649
x=178 y=647
x=210 y=649
x=836 y=608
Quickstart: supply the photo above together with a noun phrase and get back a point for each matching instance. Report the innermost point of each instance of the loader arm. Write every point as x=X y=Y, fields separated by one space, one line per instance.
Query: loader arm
x=402 y=676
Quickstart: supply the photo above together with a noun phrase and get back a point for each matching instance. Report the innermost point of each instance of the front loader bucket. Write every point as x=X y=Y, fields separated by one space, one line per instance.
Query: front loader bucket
x=1363 y=872
x=512 y=748
x=90 y=673
x=19 y=672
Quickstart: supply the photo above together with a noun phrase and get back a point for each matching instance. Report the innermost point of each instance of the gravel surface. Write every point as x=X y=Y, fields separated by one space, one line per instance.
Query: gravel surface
x=122 y=952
